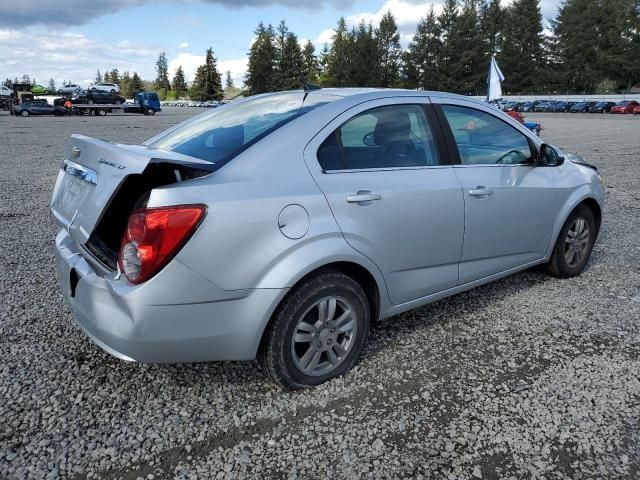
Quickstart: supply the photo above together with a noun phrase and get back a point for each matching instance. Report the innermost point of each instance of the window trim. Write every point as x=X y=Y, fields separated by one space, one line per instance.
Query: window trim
x=432 y=123
x=452 y=146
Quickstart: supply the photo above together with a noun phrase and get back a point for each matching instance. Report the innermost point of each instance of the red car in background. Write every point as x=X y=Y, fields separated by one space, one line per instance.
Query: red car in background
x=636 y=111
x=627 y=106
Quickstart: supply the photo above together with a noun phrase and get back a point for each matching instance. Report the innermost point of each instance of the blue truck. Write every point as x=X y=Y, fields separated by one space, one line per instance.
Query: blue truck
x=144 y=102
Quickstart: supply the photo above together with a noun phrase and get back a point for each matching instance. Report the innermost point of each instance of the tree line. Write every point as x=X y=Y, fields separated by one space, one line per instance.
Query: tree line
x=591 y=46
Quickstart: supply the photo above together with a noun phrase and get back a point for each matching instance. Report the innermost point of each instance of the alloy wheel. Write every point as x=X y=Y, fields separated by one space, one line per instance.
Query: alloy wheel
x=324 y=335
x=576 y=243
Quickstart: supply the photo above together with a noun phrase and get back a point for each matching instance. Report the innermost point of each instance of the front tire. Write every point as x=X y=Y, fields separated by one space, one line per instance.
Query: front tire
x=317 y=332
x=24 y=113
x=574 y=244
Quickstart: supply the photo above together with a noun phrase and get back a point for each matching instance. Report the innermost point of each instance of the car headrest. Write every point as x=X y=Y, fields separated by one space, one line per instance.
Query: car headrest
x=394 y=126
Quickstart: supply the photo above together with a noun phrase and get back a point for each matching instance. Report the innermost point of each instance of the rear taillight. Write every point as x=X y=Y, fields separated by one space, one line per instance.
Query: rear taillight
x=153 y=236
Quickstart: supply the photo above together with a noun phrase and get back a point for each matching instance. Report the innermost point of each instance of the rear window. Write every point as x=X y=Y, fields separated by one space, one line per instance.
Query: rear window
x=223 y=133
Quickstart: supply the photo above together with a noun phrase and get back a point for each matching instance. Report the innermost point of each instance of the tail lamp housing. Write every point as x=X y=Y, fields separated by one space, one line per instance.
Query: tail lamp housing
x=154 y=236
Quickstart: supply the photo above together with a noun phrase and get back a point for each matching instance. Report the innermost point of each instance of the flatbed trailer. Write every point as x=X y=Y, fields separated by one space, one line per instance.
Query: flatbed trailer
x=102 y=110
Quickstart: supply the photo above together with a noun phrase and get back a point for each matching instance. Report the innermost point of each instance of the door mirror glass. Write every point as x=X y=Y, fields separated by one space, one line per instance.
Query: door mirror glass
x=368 y=140
x=550 y=155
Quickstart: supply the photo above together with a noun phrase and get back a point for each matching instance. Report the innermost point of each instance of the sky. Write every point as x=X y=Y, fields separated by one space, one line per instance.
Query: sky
x=68 y=40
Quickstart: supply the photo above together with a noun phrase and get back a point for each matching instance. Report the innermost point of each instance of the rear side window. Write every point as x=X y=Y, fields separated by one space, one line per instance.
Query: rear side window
x=483 y=139
x=393 y=136
x=223 y=133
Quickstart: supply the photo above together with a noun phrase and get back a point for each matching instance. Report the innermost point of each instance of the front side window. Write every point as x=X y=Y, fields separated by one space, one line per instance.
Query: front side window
x=392 y=136
x=483 y=139
x=221 y=134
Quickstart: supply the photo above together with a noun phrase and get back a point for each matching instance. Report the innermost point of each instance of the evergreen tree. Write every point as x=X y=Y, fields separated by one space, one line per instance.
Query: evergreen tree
x=289 y=65
x=228 y=83
x=310 y=65
x=106 y=77
x=136 y=84
x=470 y=45
x=207 y=84
x=125 y=85
x=449 y=61
x=98 y=77
x=339 y=57
x=389 y=51
x=262 y=58
x=162 y=72
x=365 y=68
x=492 y=25
x=114 y=76
x=179 y=82
x=421 y=63
x=323 y=61
x=522 y=58
x=52 y=85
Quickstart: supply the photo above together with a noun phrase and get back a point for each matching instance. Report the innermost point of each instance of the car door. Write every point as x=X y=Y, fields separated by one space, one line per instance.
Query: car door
x=393 y=193
x=510 y=202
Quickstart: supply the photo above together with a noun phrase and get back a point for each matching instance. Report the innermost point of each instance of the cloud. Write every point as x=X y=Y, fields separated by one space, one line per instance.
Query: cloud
x=79 y=12
x=70 y=56
x=184 y=45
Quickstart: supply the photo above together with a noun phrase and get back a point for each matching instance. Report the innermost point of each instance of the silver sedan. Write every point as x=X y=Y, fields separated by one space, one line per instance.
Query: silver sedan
x=279 y=227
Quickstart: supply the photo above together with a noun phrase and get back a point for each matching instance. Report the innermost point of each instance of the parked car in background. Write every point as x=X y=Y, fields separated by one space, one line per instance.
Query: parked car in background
x=37 y=107
x=560 y=107
x=582 y=107
x=5 y=91
x=626 y=106
x=70 y=88
x=39 y=89
x=602 y=107
x=281 y=226
x=529 y=106
x=546 y=106
x=100 y=97
x=636 y=111
x=106 y=87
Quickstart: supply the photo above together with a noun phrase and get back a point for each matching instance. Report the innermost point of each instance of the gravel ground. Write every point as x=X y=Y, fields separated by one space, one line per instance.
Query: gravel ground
x=529 y=377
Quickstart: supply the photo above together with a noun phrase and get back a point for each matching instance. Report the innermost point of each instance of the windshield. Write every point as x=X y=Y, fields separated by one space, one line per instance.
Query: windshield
x=624 y=104
x=220 y=135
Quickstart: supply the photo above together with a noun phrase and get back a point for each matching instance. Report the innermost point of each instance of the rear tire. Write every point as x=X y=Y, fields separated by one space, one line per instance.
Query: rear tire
x=317 y=332
x=574 y=244
x=24 y=113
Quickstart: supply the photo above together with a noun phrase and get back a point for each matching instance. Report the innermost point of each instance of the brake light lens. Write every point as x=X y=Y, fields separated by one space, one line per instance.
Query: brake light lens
x=154 y=236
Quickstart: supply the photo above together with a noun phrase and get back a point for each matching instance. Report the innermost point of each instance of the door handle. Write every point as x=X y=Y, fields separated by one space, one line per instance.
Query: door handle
x=480 y=191
x=363 y=196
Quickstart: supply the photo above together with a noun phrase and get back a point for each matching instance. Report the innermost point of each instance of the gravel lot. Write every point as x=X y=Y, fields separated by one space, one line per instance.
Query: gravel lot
x=528 y=377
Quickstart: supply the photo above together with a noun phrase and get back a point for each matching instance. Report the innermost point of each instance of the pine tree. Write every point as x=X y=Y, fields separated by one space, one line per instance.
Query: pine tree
x=450 y=64
x=179 y=82
x=228 y=83
x=162 y=73
x=262 y=58
x=470 y=45
x=114 y=77
x=492 y=25
x=389 y=51
x=207 y=84
x=125 y=85
x=98 y=77
x=422 y=69
x=52 y=85
x=339 y=57
x=522 y=59
x=310 y=65
x=365 y=68
x=136 y=84
x=106 y=78
x=289 y=66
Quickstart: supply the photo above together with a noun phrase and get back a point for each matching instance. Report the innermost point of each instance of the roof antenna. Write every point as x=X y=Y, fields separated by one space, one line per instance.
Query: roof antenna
x=306 y=86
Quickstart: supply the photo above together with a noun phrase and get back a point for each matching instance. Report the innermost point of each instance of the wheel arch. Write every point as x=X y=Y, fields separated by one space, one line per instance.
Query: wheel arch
x=361 y=274
x=580 y=198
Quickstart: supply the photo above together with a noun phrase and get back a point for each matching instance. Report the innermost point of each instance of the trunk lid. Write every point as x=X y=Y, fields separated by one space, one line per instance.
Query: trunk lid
x=94 y=170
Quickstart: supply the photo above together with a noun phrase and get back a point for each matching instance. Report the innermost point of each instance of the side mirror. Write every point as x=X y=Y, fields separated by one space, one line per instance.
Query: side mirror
x=550 y=156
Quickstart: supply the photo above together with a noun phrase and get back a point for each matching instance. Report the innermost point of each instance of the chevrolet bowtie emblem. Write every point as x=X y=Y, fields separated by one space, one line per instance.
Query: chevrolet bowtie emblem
x=75 y=151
